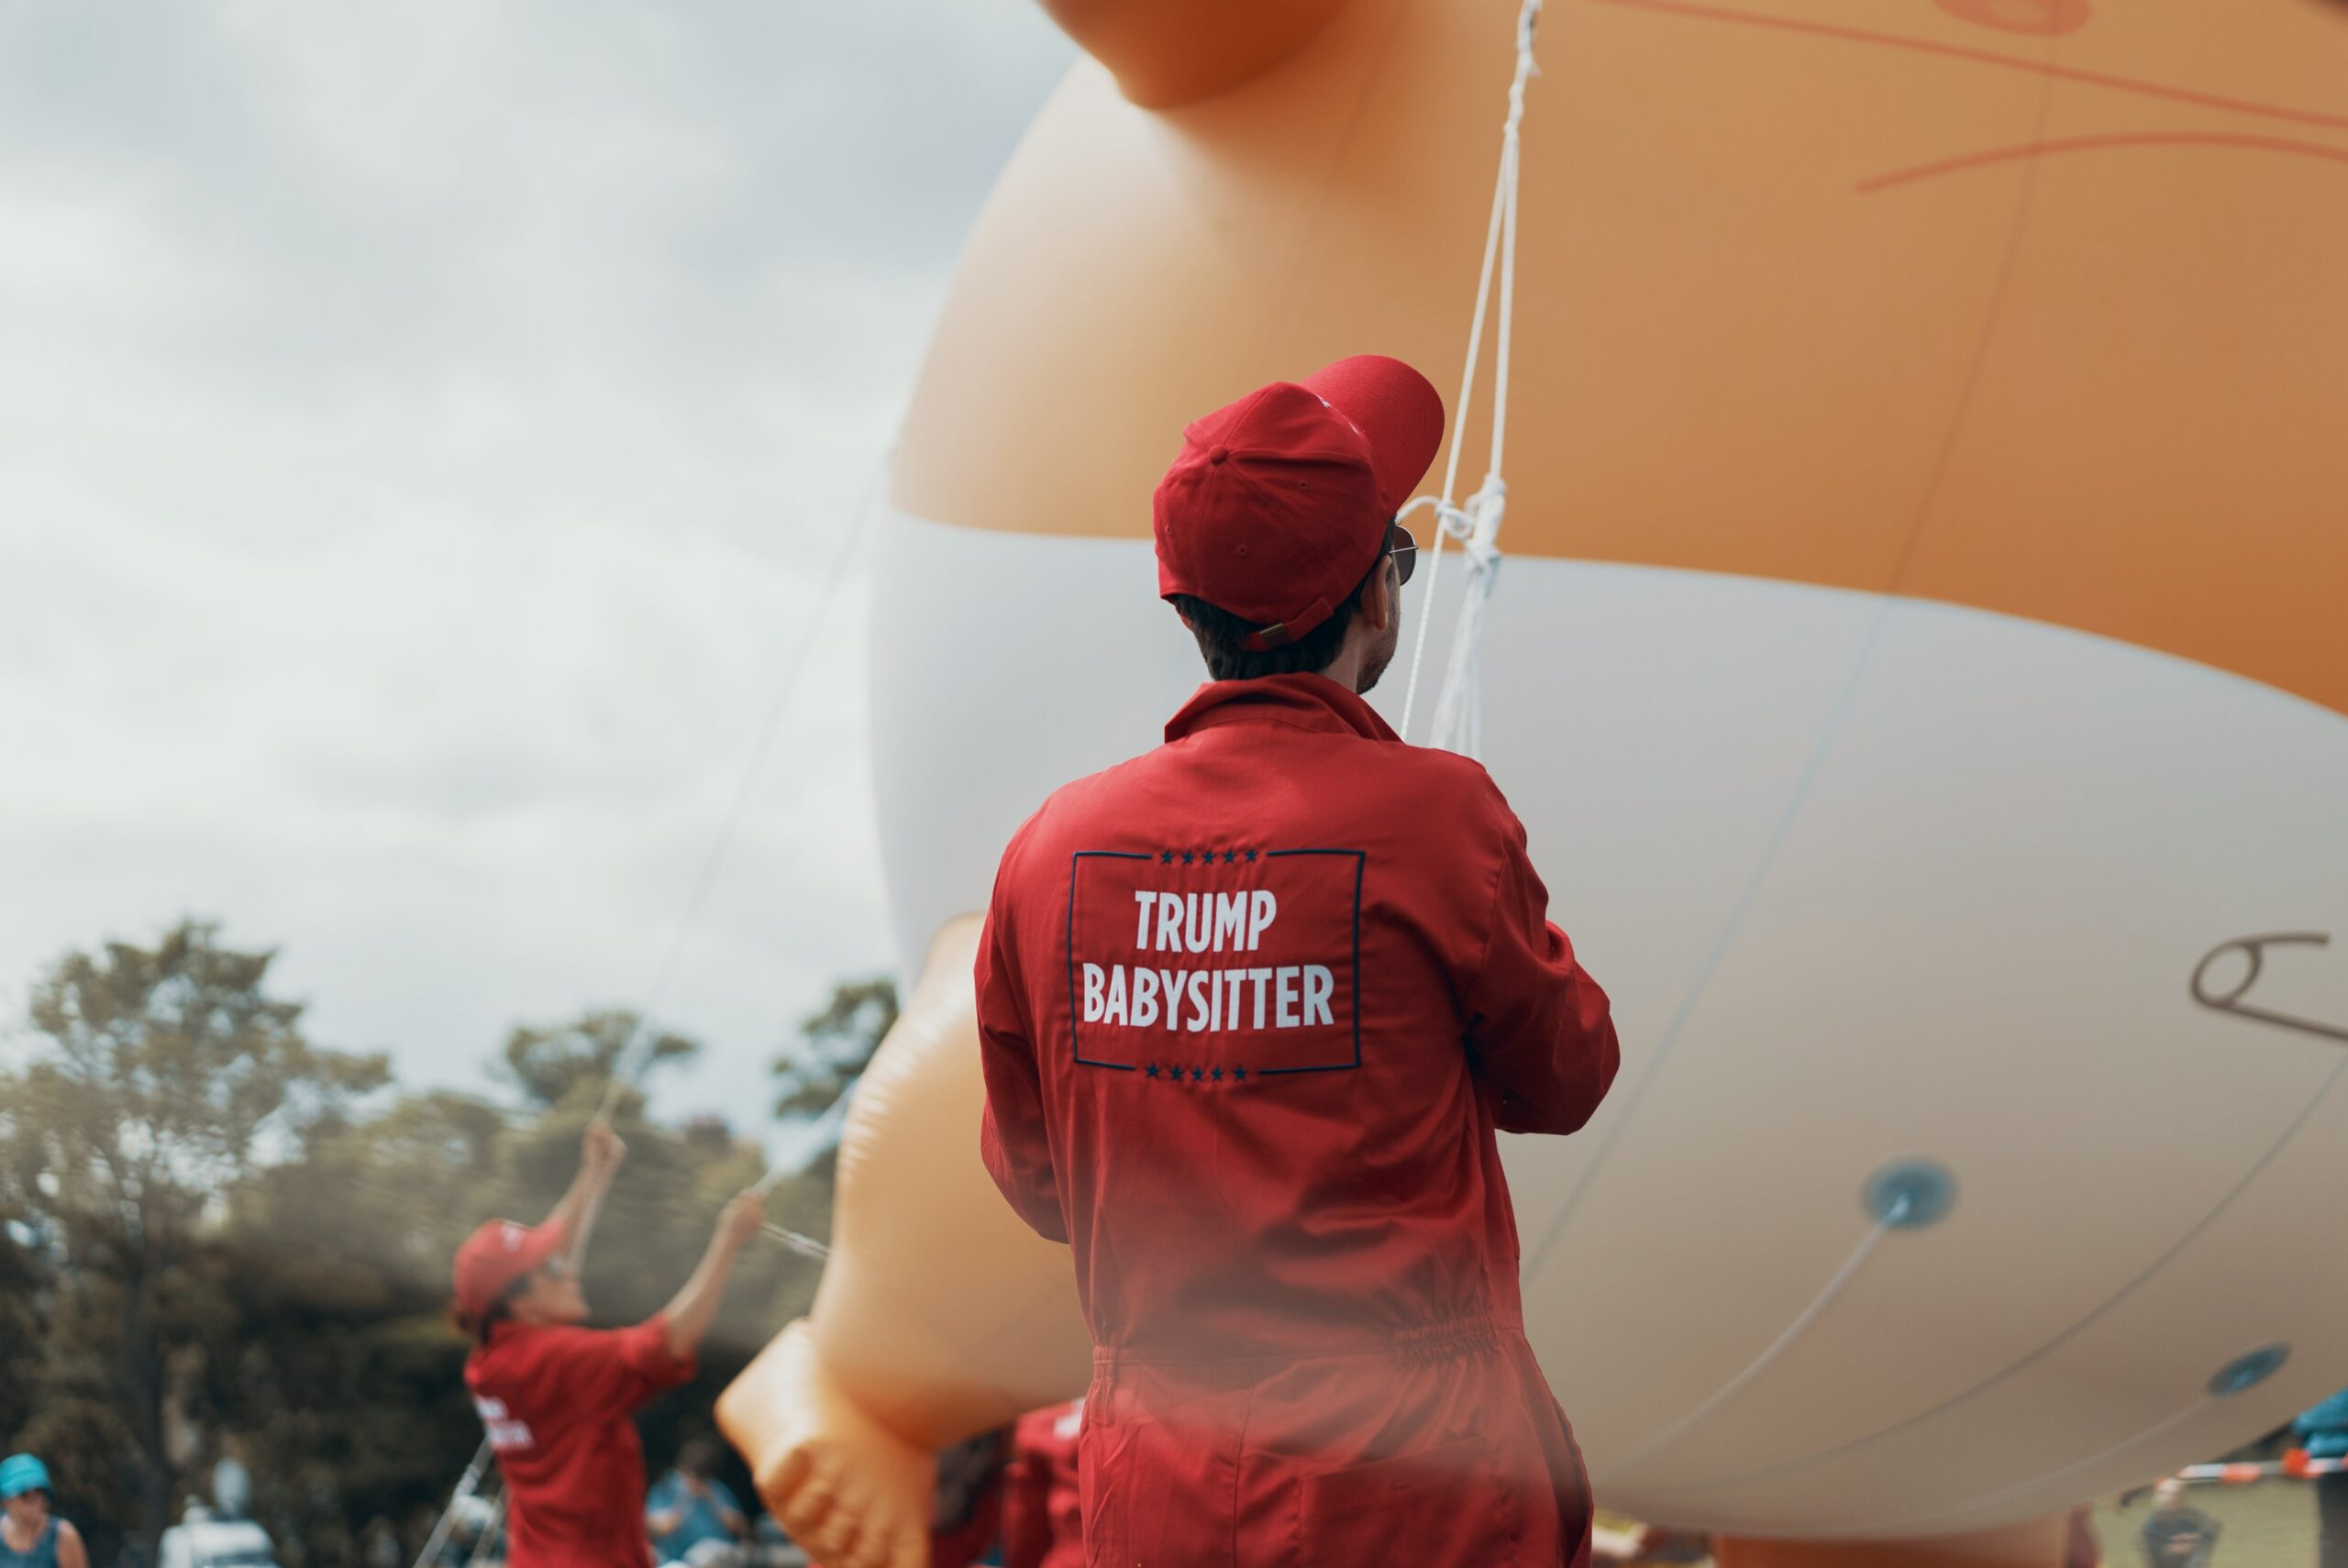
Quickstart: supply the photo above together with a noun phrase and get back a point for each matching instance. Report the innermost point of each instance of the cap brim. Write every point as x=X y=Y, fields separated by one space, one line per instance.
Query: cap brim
x=1397 y=410
x=544 y=1242
x=478 y=1287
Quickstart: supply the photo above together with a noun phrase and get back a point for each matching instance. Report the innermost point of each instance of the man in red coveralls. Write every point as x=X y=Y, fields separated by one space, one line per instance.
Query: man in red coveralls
x=1251 y=1008
x=559 y=1400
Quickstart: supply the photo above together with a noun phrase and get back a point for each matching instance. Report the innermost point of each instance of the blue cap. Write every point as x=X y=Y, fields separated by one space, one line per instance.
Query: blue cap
x=20 y=1474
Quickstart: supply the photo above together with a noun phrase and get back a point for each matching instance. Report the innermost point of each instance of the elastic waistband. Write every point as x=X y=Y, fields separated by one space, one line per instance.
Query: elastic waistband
x=1446 y=1340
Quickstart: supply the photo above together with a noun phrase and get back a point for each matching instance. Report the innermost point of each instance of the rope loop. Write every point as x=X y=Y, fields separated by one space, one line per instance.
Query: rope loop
x=1476 y=523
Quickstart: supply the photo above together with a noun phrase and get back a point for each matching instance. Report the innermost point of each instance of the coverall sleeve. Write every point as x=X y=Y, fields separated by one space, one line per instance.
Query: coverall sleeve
x=1540 y=1029
x=1012 y=1139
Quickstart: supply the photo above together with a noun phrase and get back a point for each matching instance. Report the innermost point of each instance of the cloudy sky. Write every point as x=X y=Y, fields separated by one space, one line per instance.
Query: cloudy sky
x=425 y=432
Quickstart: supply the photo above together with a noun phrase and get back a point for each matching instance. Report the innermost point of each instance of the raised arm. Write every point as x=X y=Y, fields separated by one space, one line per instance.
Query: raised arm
x=1168 y=52
x=600 y=1153
x=690 y=1310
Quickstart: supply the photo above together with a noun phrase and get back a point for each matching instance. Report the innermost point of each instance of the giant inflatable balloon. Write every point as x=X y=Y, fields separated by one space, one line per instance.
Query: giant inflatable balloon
x=1922 y=663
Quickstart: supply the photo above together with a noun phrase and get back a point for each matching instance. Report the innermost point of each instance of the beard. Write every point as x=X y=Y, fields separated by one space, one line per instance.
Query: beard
x=1376 y=665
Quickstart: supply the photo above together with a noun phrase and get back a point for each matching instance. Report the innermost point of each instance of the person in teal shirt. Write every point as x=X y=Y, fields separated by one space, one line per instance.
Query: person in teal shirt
x=690 y=1505
x=30 y=1535
x=2323 y=1432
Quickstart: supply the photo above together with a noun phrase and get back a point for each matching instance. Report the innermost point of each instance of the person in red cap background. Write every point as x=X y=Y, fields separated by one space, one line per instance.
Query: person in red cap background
x=1042 y=1508
x=1252 y=1008
x=558 y=1399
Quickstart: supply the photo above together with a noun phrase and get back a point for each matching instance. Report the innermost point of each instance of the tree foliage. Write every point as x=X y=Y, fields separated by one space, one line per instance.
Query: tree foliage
x=160 y=1076
x=834 y=1046
x=551 y=1063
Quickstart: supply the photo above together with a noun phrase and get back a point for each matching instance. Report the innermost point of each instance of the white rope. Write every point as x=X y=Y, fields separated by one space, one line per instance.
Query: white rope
x=777 y=705
x=1458 y=719
x=1760 y=1364
x=805 y=1246
x=488 y=1533
x=467 y=1484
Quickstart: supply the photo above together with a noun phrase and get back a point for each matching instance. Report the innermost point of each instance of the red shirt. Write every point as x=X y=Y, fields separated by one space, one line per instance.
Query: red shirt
x=1251 y=1007
x=558 y=1405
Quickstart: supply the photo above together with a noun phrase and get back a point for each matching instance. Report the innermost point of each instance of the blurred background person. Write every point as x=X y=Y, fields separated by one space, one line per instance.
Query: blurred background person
x=966 y=1519
x=1043 y=1515
x=558 y=1400
x=690 y=1507
x=32 y=1536
x=2176 y=1534
x=2082 y=1548
x=1617 y=1541
x=2323 y=1433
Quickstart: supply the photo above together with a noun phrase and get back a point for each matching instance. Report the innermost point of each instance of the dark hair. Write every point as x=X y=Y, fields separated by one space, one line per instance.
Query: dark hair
x=698 y=1459
x=1223 y=636
x=499 y=1312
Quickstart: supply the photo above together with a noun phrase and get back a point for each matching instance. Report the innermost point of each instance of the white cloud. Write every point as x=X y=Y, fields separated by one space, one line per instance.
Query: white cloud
x=428 y=427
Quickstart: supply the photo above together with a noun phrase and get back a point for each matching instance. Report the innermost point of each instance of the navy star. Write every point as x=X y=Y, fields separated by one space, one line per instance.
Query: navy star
x=1166 y=858
x=1230 y=858
x=1187 y=857
x=1218 y=1074
x=1239 y=1073
x=1251 y=857
x=1197 y=1074
x=1153 y=1069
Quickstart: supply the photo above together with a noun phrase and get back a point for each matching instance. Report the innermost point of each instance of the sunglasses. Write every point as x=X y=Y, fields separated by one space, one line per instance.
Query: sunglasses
x=1402 y=550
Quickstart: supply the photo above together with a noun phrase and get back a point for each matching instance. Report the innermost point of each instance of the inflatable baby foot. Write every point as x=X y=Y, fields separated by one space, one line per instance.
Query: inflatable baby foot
x=940 y=1314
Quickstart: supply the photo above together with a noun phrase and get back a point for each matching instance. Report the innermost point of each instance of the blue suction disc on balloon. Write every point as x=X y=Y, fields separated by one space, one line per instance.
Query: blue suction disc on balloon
x=2247 y=1372
x=1910 y=1195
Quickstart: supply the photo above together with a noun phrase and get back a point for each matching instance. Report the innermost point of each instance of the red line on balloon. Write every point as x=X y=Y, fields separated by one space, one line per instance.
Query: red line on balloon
x=1984 y=56
x=2092 y=143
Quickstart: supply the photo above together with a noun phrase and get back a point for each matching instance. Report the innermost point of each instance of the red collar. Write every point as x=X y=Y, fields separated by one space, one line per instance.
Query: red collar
x=1300 y=701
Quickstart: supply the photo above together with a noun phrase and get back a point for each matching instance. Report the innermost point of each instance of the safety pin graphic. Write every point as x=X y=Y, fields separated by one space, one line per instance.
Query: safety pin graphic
x=2255 y=949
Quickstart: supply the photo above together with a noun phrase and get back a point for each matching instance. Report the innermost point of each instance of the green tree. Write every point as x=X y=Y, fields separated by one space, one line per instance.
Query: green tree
x=24 y=1284
x=551 y=1063
x=834 y=1046
x=159 y=1079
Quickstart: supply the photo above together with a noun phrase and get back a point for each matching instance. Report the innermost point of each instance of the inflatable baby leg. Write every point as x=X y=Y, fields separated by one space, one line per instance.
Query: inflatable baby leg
x=940 y=1314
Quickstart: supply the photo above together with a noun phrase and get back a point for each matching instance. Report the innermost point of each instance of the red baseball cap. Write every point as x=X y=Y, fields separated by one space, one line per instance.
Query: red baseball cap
x=497 y=1255
x=1279 y=504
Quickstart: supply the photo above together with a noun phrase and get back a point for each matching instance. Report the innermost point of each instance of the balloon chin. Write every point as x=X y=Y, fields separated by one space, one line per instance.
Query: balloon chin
x=1876 y=885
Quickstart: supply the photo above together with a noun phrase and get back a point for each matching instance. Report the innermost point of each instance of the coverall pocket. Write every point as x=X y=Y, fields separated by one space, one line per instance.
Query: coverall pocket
x=1157 y=1482
x=1409 y=1508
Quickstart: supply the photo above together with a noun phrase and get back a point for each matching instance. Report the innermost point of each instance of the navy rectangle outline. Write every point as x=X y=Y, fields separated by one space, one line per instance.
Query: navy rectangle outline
x=1075 y=1015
